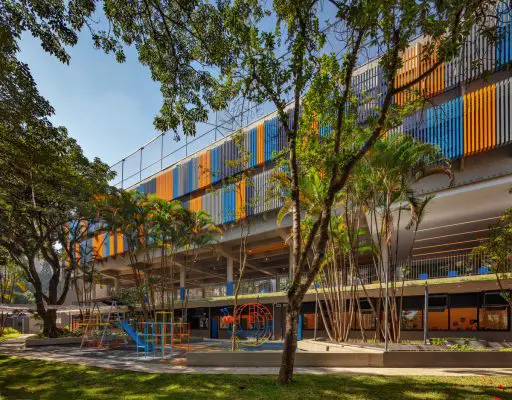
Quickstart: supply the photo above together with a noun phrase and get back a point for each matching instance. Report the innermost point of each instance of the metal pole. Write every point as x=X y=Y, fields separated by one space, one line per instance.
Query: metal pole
x=386 y=322
x=425 y=316
x=162 y=153
x=140 y=164
x=122 y=173
x=316 y=312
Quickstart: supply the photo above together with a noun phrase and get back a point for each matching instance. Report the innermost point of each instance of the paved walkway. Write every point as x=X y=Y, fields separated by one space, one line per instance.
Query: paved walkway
x=126 y=359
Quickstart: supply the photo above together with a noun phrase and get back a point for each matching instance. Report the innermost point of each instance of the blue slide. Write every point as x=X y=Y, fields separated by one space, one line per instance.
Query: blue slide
x=136 y=338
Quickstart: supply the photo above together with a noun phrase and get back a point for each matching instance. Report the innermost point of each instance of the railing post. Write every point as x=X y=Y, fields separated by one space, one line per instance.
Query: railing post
x=162 y=152
x=140 y=164
x=122 y=173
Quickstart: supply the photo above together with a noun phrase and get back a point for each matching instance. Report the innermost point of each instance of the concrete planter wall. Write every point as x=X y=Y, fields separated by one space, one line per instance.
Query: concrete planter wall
x=448 y=359
x=402 y=359
x=273 y=359
x=52 y=342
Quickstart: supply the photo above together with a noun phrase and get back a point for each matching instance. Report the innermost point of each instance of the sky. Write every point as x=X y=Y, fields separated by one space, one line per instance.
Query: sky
x=108 y=107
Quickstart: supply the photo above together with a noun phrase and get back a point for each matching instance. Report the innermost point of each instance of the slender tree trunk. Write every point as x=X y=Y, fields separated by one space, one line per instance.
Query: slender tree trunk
x=290 y=343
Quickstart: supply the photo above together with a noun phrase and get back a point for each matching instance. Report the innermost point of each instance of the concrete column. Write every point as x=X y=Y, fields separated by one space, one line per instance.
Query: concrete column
x=117 y=283
x=229 y=277
x=278 y=283
x=182 y=282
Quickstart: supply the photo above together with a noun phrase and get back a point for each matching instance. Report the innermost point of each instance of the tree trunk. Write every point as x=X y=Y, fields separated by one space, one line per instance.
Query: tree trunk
x=50 y=324
x=290 y=343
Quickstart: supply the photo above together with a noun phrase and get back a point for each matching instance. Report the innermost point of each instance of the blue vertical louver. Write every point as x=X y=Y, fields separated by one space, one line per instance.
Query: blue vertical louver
x=214 y=165
x=444 y=128
x=176 y=182
x=504 y=34
x=106 y=242
x=253 y=147
x=324 y=130
x=229 y=203
x=271 y=138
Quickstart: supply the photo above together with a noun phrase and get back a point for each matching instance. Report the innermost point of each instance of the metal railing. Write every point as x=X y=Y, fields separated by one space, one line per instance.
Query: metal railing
x=164 y=150
x=424 y=269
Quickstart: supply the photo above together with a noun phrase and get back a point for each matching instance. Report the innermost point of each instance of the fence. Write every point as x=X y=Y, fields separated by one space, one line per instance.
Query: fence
x=164 y=150
x=457 y=265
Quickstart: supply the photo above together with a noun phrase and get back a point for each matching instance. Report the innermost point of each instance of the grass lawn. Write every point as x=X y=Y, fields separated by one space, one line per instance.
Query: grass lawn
x=29 y=379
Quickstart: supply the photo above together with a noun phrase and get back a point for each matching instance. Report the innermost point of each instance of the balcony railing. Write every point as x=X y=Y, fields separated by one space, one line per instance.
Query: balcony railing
x=424 y=269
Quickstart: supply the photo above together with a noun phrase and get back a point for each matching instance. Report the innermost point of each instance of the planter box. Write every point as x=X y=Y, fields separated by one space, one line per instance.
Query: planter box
x=53 y=341
x=273 y=359
x=398 y=359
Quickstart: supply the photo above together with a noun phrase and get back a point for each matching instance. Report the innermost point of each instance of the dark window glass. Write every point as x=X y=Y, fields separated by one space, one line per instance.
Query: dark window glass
x=413 y=303
x=463 y=319
x=437 y=301
x=464 y=300
x=494 y=299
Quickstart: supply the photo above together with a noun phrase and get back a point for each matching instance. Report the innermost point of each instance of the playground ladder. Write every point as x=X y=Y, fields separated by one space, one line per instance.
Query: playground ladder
x=113 y=312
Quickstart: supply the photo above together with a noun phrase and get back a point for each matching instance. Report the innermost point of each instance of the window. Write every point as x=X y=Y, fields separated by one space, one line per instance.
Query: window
x=493 y=319
x=464 y=319
x=308 y=322
x=438 y=319
x=412 y=320
x=437 y=302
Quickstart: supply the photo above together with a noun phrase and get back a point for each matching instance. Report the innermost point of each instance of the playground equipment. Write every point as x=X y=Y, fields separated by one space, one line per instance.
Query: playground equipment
x=154 y=339
x=181 y=336
x=103 y=331
x=254 y=323
x=158 y=339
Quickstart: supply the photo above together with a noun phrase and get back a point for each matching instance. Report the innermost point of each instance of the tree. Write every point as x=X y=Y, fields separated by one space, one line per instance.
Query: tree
x=171 y=220
x=46 y=182
x=130 y=213
x=387 y=177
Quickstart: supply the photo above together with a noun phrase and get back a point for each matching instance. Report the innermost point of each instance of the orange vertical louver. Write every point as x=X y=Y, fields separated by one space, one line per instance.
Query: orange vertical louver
x=434 y=83
x=240 y=199
x=407 y=73
x=195 y=203
x=261 y=143
x=480 y=120
x=120 y=243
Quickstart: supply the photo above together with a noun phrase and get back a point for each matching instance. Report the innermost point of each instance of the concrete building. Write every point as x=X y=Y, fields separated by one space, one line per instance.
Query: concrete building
x=468 y=117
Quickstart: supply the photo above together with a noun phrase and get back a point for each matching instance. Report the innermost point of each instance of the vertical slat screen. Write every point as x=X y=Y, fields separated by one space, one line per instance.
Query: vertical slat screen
x=503 y=112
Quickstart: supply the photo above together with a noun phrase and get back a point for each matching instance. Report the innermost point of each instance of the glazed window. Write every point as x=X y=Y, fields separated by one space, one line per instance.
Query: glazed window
x=464 y=319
